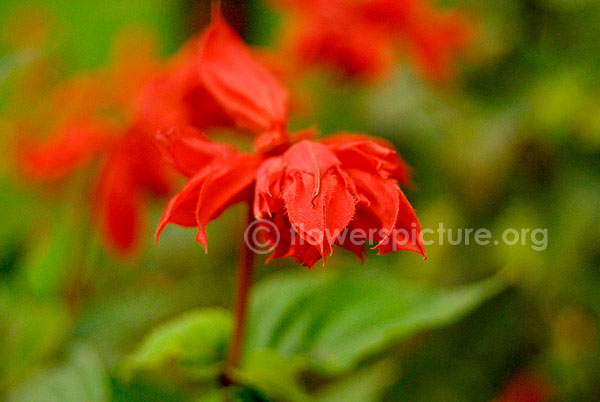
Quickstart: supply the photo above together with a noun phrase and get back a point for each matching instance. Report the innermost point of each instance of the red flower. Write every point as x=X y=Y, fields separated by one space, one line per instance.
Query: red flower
x=359 y=37
x=219 y=176
x=214 y=81
x=312 y=191
x=131 y=170
x=131 y=167
x=526 y=387
x=343 y=191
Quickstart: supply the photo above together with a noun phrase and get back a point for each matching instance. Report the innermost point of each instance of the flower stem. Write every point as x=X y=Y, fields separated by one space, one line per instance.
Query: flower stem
x=244 y=282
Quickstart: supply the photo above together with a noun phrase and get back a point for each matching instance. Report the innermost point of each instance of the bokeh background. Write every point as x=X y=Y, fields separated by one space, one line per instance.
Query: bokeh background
x=512 y=142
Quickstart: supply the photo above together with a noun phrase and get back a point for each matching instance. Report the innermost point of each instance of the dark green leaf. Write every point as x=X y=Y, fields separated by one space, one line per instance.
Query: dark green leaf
x=273 y=376
x=336 y=320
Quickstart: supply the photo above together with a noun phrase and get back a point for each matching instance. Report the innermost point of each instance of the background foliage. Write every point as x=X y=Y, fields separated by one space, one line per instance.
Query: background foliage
x=514 y=142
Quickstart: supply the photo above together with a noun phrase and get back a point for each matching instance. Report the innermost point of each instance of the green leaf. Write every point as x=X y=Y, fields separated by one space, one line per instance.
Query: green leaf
x=272 y=376
x=367 y=385
x=114 y=323
x=230 y=394
x=49 y=261
x=81 y=379
x=323 y=322
x=336 y=320
x=17 y=213
x=196 y=341
x=30 y=331
x=59 y=249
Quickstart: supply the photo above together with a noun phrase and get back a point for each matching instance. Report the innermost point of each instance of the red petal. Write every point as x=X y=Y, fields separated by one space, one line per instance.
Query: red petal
x=267 y=196
x=73 y=147
x=160 y=103
x=179 y=97
x=119 y=203
x=277 y=233
x=148 y=168
x=310 y=157
x=286 y=242
x=181 y=209
x=188 y=150
x=376 y=213
x=222 y=183
x=407 y=231
x=374 y=155
x=247 y=90
x=379 y=196
x=319 y=198
x=362 y=221
x=305 y=254
x=230 y=182
x=205 y=111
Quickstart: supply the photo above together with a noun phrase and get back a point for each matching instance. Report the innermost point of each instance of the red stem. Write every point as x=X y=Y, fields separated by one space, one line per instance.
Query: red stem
x=241 y=303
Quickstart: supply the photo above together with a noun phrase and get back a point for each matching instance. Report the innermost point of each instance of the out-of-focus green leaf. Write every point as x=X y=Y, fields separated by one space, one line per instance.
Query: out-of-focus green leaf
x=268 y=316
x=557 y=102
x=59 y=250
x=523 y=261
x=367 y=385
x=273 y=376
x=17 y=213
x=81 y=379
x=29 y=332
x=231 y=394
x=115 y=322
x=196 y=341
x=48 y=261
x=214 y=396
x=334 y=321
x=125 y=391
x=568 y=5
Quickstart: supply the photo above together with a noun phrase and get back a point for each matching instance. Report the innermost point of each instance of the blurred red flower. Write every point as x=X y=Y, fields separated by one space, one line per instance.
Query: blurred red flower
x=72 y=146
x=359 y=37
x=308 y=188
x=88 y=129
x=525 y=387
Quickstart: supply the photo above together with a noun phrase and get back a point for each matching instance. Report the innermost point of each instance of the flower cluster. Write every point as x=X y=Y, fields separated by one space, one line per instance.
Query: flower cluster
x=97 y=121
x=314 y=189
x=359 y=37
